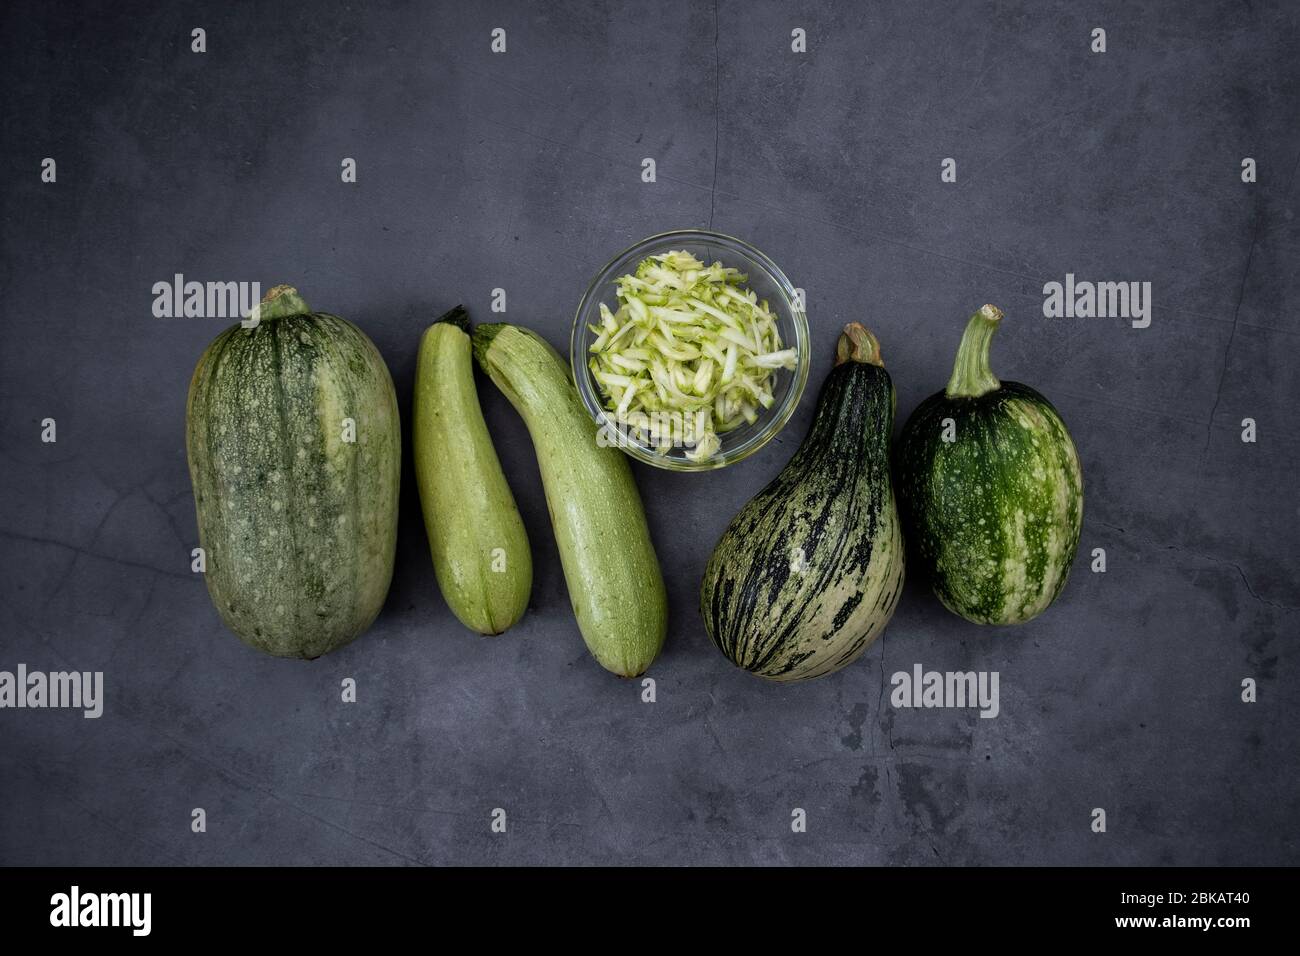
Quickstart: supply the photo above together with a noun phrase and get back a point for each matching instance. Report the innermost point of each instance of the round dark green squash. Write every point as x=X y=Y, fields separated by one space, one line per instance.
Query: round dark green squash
x=298 y=523
x=991 y=488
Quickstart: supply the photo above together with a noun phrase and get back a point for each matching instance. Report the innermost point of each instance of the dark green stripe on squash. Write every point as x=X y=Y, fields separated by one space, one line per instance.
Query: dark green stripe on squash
x=809 y=572
x=299 y=526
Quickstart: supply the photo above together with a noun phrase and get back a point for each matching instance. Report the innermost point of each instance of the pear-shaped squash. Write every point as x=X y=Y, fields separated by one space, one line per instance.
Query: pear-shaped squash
x=809 y=572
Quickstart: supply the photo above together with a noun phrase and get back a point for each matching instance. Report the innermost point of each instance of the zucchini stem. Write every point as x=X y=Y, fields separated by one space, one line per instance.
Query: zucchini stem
x=280 y=302
x=457 y=317
x=857 y=344
x=971 y=375
x=482 y=338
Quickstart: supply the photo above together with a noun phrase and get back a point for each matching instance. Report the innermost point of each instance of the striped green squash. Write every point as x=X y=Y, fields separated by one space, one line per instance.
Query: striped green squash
x=295 y=456
x=991 y=488
x=809 y=572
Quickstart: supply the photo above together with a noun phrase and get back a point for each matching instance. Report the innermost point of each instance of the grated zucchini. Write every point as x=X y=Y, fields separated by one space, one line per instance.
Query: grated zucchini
x=688 y=355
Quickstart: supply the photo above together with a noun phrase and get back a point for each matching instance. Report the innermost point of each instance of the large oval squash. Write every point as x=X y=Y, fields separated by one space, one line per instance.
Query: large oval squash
x=295 y=457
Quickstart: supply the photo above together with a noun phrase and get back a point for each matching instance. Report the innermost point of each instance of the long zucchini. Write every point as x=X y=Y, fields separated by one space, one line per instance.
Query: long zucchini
x=614 y=580
x=476 y=537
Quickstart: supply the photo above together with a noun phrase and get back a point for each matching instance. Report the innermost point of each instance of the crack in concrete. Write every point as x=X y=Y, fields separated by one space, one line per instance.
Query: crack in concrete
x=717 y=102
x=1236 y=311
x=123 y=562
x=1232 y=334
x=1206 y=557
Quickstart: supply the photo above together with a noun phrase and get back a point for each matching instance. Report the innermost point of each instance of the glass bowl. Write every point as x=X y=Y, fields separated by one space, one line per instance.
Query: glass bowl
x=767 y=281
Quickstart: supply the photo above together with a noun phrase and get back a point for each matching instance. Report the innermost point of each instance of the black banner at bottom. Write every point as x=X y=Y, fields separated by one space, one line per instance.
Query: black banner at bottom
x=338 y=905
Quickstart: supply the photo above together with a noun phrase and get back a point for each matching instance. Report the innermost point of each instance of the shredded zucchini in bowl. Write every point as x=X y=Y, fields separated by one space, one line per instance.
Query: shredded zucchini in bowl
x=689 y=353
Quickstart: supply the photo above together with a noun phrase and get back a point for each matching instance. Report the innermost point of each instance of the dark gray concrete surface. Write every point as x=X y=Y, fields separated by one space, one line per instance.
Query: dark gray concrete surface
x=522 y=171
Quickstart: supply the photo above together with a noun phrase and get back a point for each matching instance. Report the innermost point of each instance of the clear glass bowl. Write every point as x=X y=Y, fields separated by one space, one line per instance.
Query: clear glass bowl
x=767 y=281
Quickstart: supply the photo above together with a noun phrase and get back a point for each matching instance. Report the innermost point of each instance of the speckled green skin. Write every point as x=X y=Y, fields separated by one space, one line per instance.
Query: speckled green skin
x=994 y=516
x=476 y=537
x=809 y=572
x=615 y=584
x=299 y=526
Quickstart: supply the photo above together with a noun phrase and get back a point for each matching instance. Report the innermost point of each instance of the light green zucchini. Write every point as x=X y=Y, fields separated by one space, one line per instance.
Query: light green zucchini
x=476 y=537
x=615 y=584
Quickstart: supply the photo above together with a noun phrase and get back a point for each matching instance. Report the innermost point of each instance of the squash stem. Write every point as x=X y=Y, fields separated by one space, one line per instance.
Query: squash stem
x=457 y=317
x=482 y=338
x=971 y=375
x=857 y=344
x=280 y=302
